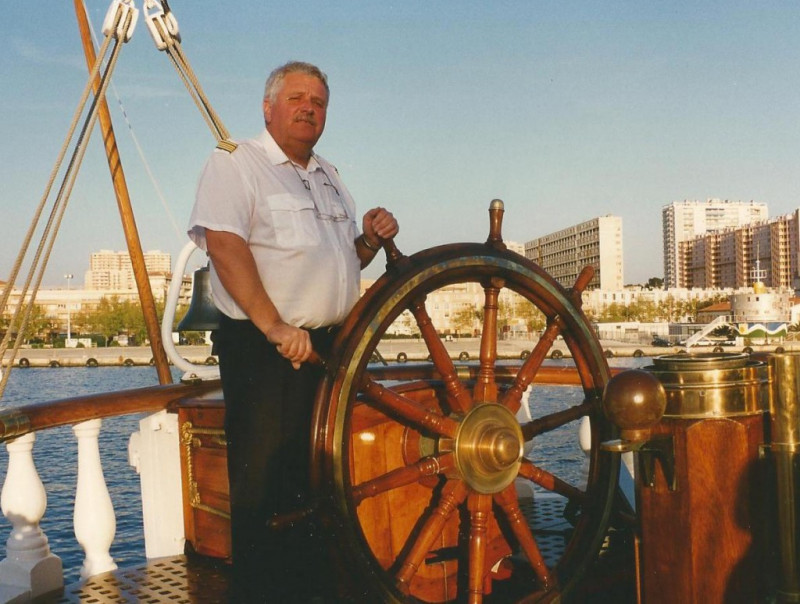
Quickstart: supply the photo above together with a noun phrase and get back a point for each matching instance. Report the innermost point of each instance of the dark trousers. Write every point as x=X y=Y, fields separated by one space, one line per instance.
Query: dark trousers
x=268 y=407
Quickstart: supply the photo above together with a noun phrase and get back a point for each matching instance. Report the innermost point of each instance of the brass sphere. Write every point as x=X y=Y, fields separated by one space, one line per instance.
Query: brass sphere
x=635 y=401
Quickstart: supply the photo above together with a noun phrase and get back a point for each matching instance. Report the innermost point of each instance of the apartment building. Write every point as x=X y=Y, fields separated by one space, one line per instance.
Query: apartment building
x=596 y=242
x=109 y=270
x=685 y=220
x=731 y=257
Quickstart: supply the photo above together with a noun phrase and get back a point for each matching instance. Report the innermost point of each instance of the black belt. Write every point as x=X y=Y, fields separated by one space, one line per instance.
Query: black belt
x=323 y=330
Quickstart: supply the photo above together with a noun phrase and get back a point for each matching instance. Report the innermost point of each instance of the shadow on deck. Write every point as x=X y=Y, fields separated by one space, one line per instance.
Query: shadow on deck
x=197 y=579
x=180 y=580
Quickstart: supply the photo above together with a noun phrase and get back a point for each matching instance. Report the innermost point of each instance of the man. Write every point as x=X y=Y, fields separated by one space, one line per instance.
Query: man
x=279 y=226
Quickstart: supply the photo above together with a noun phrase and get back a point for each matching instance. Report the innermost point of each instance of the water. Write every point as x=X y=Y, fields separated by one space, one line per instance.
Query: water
x=55 y=455
x=55 y=452
x=558 y=451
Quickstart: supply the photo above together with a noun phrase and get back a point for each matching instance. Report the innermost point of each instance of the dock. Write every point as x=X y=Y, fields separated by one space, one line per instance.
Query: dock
x=390 y=350
x=113 y=356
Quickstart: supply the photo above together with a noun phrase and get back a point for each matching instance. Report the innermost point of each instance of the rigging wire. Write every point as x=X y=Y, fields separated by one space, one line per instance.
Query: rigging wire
x=118 y=26
x=153 y=181
x=163 y=27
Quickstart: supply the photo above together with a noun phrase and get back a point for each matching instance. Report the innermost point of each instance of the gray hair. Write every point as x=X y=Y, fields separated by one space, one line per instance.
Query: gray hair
x=275 y=79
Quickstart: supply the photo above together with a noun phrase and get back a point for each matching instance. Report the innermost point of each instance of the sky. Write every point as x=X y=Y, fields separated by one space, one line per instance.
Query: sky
x=564 y=110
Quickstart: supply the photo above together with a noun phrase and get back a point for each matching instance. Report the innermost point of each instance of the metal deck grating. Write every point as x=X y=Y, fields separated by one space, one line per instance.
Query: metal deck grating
x=550 y=528
x=178 y=580
x=197 y=580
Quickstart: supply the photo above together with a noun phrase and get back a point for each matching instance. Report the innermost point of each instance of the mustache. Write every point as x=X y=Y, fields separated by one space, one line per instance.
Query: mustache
x=306 y=117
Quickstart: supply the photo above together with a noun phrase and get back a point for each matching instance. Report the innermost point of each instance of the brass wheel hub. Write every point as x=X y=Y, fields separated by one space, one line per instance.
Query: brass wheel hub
x=488 y=448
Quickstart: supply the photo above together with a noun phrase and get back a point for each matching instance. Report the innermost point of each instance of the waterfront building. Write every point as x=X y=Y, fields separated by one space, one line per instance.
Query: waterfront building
x=110 y=276
x=457 y=310
x=727 y=258
x=678 y=303
x=516 y=246
x=685 y=220
x=59 y=304
x=596 y=242
x=110 y=270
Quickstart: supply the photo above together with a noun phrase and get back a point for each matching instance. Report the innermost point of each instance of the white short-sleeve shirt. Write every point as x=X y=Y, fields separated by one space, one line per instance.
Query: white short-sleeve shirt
x=299 y=224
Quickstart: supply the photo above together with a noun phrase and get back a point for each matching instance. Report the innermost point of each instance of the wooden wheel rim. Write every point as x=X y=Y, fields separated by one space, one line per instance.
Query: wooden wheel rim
x=418 y=275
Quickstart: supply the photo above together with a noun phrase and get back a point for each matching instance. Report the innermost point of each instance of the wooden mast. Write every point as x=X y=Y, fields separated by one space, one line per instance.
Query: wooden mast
x=126 y=211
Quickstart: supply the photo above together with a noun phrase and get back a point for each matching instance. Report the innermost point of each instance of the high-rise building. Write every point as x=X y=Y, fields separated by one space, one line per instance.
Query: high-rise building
x=684 y=220
x=110 y=270
x=730 y=258
x=596 y=242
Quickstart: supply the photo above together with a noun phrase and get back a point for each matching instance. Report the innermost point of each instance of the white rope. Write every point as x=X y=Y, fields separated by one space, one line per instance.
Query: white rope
x=118 y=27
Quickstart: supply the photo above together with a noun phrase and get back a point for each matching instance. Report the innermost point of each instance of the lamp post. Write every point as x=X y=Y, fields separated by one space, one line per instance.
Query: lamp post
x=68 y=277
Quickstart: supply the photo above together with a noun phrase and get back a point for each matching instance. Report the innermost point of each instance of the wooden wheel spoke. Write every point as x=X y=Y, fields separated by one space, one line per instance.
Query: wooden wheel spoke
x=507 y=500
x=417 y=456
x=581 y=283
x=485 y=384
x=453 y=495
x=409 y=410
x=551 y=482
x=556 y=420
x=480 y=507
x=458 y=395
x=513 y=396
x=427 y=466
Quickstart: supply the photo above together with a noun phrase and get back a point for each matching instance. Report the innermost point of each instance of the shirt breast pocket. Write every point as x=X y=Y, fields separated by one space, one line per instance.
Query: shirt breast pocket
x=294 y=221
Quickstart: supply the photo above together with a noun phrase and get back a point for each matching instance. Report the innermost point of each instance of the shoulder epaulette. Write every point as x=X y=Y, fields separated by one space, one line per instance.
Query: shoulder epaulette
x=227 y=145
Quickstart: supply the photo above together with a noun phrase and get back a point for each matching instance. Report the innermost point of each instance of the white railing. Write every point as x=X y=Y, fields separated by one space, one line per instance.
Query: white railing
x=30 y=570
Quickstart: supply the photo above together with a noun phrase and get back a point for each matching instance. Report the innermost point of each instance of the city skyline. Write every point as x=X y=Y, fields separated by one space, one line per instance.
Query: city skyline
x=565 y=112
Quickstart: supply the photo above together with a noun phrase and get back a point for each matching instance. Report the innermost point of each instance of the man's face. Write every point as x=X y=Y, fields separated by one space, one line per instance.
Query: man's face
x=297 y=116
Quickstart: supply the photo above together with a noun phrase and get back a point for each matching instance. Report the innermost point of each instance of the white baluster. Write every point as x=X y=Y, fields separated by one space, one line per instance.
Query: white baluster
x=29 y=569
x=94 y=520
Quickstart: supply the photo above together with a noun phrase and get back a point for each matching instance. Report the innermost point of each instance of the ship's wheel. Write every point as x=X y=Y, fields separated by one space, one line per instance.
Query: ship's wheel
x=418 y=462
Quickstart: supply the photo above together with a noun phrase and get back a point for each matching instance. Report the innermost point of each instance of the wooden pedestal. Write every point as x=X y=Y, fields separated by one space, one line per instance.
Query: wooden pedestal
x=697 y=543
x=206 y=506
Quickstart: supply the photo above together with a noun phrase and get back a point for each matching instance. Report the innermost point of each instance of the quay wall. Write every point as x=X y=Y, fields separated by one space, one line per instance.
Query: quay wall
x=390 y=350
x=116 y=356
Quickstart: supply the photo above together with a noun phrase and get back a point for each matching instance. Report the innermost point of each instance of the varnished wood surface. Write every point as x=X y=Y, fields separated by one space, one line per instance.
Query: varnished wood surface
x=127 y=218
x=697 y=541
x=206 y=493
x=68 y=411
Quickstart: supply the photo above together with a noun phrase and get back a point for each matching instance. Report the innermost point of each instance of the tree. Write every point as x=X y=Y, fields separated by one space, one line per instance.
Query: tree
x=533 y=317
x=655 y=283
x=114 y=316
x=39 y=324
x=464 y=318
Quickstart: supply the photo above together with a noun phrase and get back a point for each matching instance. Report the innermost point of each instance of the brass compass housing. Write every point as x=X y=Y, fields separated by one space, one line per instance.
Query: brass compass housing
x=488 y=448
